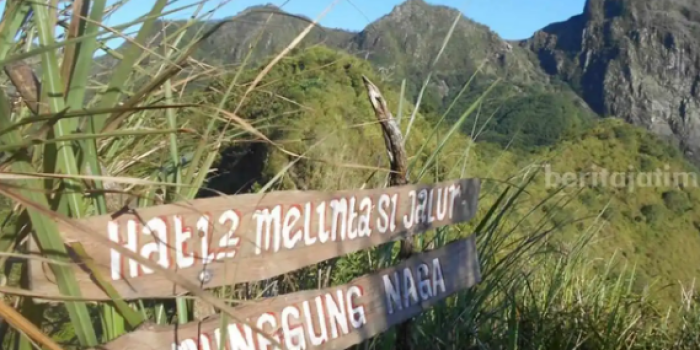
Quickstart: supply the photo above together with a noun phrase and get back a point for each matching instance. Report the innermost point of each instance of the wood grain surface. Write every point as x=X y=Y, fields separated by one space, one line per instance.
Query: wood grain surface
x=330 y=318
x=243 y=238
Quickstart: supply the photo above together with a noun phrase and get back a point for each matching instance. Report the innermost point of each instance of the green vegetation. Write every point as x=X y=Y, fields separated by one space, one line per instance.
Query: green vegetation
x=534 y=120
x=596 y=266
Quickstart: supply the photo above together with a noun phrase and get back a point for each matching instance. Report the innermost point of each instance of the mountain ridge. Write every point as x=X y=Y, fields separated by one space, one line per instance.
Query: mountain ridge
x=617 y=58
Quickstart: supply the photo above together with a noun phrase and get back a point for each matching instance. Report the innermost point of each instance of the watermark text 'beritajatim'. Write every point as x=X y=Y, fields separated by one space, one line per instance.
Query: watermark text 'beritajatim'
x=631 y=179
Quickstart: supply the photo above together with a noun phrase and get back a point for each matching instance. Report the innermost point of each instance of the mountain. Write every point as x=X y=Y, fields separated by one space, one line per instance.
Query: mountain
x=633 y=59
x=404 y=44
x=638 y=60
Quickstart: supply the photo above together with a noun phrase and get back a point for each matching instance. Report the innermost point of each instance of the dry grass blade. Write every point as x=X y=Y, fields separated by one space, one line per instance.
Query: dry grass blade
x=244 y=124
x=52 y=118
x=72 y=32
x=16 y=320
x=116 y=179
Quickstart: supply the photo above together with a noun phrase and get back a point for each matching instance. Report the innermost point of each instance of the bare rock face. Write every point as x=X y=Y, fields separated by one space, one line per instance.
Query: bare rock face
x=634 y=59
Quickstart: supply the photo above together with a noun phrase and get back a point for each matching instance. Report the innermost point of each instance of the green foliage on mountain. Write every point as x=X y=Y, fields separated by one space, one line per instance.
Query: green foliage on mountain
x=314 y=104
x=652 y=221
x=529 y=120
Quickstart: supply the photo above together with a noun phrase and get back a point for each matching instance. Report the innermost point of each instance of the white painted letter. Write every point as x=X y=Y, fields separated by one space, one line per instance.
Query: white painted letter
x=340 y=217
x=323 y=233
x=363 y=224
x=264 y=343
x=391 y=291
x=409 y=288
x=352 y=216
x=357 y=313
x=236 y=339
x=383 y=219
x=424 y=288
x=292 y=332
x=315 y=338
x=271 y=220
x=336 y=314
x=117 y=260
x=420 y=207
x=290 y=219
x=308 y=214
x=438 y=280
x=229 y=240
x=455 y=191
x=182 y=235
x=408 y=222
x=157 y=228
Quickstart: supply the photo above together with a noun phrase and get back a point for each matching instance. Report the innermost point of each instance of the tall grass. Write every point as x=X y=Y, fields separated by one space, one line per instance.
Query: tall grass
x=92 y=146
x=78 y=129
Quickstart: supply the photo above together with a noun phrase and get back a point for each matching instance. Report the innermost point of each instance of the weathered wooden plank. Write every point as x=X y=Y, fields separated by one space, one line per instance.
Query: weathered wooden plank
x=233 y=239
x=331 y=318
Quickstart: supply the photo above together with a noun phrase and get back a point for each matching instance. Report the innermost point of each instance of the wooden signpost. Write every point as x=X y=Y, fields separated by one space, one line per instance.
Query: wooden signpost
x=331 y=318
x=233 y=239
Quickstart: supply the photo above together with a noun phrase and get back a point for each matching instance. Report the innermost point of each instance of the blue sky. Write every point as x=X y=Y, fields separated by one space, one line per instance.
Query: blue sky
x=512 y=19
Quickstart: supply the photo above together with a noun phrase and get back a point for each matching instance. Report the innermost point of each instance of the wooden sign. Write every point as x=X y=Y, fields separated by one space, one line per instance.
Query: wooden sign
x=331 y=318
x=234 y=239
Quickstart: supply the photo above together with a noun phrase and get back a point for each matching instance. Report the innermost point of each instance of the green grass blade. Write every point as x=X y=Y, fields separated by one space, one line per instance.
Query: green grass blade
x=132 y=317
x=53 y=86
x=84 y=53
x=48 y=237
x=15 y=13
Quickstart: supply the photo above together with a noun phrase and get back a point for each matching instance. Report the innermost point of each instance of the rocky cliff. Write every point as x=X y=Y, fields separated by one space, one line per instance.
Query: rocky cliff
x=634 y=59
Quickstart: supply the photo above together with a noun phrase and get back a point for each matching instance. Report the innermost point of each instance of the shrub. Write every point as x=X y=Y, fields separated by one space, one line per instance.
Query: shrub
x=646 y=164
x=534 y=120
x=653 y=213
x=676 y=201
x=624 y=133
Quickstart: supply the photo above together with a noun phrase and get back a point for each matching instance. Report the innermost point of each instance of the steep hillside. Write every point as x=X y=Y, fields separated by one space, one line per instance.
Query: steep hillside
x=652 y=221
x=634 y=59
x=314 y=104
